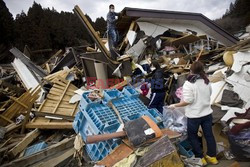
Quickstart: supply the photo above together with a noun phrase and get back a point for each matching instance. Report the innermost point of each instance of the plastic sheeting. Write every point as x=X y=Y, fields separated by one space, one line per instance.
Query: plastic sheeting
x=175 y=120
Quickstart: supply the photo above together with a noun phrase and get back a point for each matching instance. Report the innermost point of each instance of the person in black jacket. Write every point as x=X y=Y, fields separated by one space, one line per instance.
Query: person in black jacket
x=158 y=88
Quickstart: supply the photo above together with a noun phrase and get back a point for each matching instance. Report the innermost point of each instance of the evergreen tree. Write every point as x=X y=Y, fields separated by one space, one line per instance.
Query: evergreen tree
x=101 y=25
x=45 y=28
x=6 y=24
x=237 y=17
x=6 y=33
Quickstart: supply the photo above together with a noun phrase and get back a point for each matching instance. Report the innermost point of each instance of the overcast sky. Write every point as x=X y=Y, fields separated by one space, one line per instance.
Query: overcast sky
x=96 y=8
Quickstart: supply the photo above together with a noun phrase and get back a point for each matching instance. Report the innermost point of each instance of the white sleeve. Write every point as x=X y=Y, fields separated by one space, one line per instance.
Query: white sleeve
x=188 y=92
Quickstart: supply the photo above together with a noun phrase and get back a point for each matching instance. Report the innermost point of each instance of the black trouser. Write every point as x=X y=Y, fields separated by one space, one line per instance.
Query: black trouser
x=193 y=125
x=157 y=101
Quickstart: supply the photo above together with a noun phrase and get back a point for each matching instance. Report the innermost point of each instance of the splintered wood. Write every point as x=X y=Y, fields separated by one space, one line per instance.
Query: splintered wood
x=20 y=105
x=62 y=73
x=57 y=103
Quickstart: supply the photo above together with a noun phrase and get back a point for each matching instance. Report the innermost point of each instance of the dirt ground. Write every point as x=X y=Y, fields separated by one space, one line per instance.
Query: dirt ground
x=227 y=163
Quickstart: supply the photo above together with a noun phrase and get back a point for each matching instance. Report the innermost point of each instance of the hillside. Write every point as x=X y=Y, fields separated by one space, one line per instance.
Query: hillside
x=237 y=16
x=43 y=28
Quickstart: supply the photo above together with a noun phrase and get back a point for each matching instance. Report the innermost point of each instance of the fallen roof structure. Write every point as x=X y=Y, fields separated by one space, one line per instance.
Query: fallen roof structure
x=177 y=20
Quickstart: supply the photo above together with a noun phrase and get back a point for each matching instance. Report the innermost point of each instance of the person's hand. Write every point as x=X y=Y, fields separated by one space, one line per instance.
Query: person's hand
x=172 y=106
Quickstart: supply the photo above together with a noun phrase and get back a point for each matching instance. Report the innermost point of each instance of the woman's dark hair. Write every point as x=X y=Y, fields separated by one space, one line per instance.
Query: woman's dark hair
x=198 y=68
x=156 y=64
x=111 y=5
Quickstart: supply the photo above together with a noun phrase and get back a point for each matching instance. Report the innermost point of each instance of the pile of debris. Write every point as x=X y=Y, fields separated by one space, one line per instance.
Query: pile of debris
x=87 y=101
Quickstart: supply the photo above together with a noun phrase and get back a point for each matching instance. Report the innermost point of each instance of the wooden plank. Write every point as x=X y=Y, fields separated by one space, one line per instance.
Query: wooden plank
x=6 y=142
x=199 y=55
x=29 y=96
x=61 y=98
x=91 y=30
x=49 y=125
x=11 y=127
x=125 y=41
x=57 y=87
x=61 y=80
x=6 y=119
x=16 y=100
x=57 y=160
x=51 y=97
x=185 y=40
x=47 y=67
x=27 y=116
x=8 y=147
x=13 y=108
x=119 y=85
x=66 y=109
x=119 y=153
x=64 y=117
x=70 y=92
x=39 y=156
x=60 y=109
x=62 y=87
x=55 y=55
x=75 y=109
x=30 y=137
x=50 y=104
x=5 y=104
x=58 y=93
x=93 y=33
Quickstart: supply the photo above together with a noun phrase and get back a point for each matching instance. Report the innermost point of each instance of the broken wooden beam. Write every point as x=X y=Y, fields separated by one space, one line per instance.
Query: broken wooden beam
x=56 y=116
x=56 y=160
x=29 y=138
x=3 y=149
x=50 y=125
x=93 y=34
x=55 y=55
x=39 y=156
x=119 y=153
x=19 y=105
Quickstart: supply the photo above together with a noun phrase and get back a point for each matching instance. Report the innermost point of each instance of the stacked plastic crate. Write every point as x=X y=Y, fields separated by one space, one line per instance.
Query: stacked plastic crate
x=99 y=118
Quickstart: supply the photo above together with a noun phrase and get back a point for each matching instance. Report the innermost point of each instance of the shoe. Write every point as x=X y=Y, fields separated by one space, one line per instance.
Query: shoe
x=212 y=160
x=204 y=162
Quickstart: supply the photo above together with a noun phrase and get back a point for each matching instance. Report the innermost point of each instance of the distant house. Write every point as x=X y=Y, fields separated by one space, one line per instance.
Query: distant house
x=153 y=22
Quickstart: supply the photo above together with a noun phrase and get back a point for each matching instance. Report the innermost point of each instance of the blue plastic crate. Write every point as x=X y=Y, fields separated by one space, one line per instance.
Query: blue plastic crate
x=99 y=118
x=185 y=149
x=133 y=108
x=86 y=128
x=86 y=102
x=35 y=148
x=100 y=150
x=130 y=92
x=110 y=94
